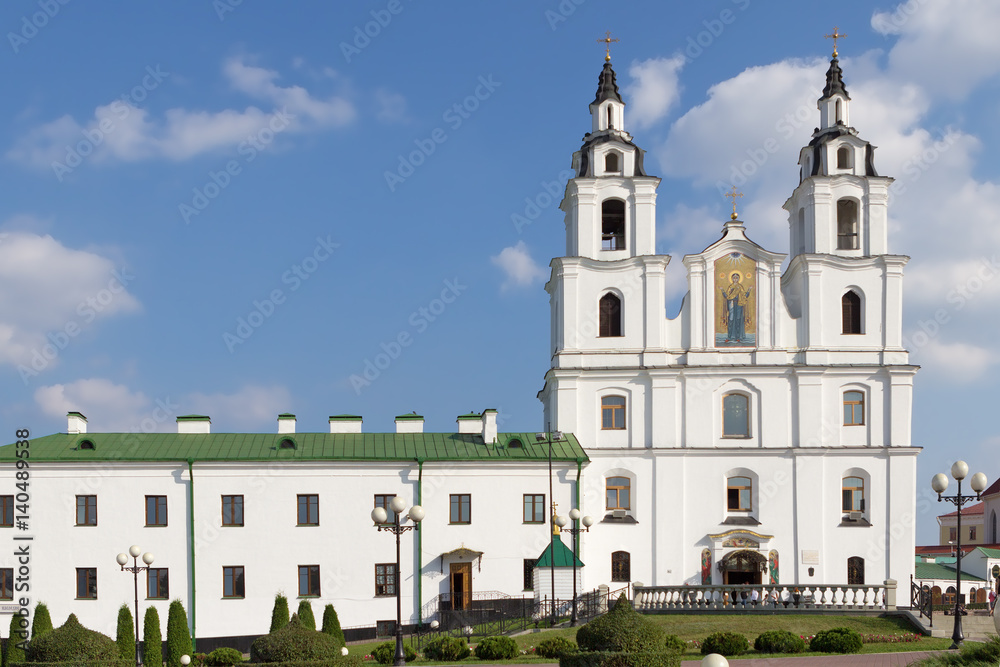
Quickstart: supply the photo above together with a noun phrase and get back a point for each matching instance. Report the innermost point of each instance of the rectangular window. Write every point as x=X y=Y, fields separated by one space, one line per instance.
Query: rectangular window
x=853 y=495
x=385 y=579
x=232 y=581
x=534 y=508
x=738 y=494
x=952 y=534
x=156 y=510
x=308 y=509
x=972 y=532
x=86 y=510
x=617 y=492
x=529 y=573
x=854 y=408
x=309 y=581
x=613 y=413
x=86 y=583
x=383 y=500
x=157 y=583
x=461 y=508
x=7 y=583
x=232 y=510
x=7 y=511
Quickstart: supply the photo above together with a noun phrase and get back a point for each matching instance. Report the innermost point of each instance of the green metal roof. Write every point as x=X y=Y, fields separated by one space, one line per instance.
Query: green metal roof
x=563 y=555
x=940 y=572
x=990 y=553
x=309 y=447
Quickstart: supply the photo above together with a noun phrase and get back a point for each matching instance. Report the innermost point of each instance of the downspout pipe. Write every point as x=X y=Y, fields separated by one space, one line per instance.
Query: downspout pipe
x=194 y=595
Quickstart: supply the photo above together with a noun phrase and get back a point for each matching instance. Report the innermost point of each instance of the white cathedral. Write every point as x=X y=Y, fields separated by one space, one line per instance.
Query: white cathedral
x=760 y=436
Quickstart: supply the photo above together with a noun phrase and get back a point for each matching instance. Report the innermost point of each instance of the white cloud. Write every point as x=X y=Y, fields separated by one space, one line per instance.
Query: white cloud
x=520 y=269
x=49 y=289
x=958 y=363
x=114 y=407
x=123 y=132
x=391 y=106
x=654 y=90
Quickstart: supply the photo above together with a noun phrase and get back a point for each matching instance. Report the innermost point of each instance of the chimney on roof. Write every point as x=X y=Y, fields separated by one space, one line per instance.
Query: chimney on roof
x=194 y=424
x=489 y=426
x=286 y=423
x=76 y=423
x=470 y=423
x=411 y=423
x=345 y=423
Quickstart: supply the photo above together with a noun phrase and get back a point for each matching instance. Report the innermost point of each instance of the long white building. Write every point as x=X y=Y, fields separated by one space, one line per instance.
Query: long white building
x=761 y=435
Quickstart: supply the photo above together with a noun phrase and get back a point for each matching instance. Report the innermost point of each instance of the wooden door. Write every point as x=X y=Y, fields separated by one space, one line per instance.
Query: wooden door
x=461 y=585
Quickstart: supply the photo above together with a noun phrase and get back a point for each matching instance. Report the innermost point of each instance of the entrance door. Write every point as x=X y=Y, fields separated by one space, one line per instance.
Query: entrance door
x=461 y=585
x=735 y=578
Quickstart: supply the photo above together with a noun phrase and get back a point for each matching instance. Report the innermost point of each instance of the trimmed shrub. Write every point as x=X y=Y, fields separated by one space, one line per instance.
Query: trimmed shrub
x=725 y=643
x=15 y=641
x=621 y=629
x=385 y=653
x=615 y=659
x=41 y=622
x=779 y=641
x=675 y=643
x=125 y=635
x=497 y=648
x=331 y=625
x=836 y=640
x=294 y=642
x=306 y=616
x=555 y=647
x=224 y=657
x=446 y=648
x=279 y=613
x=70 y=642
x=152 y=638
x=178 y=634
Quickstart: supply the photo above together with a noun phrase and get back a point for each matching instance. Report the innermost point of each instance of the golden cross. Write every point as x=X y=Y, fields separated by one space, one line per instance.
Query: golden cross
x=733 y=195
x=835 y=36
x=607 y=44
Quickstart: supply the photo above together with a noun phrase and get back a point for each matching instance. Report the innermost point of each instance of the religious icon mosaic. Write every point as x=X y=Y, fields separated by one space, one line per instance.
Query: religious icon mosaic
x=735 y=301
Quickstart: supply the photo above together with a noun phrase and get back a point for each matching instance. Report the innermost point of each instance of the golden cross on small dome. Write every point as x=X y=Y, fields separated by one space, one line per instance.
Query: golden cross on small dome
x=608 y=39
x=835 y=36
x=733 y=195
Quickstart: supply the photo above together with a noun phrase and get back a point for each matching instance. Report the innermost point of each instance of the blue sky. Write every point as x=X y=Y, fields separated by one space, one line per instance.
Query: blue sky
x=171 y=172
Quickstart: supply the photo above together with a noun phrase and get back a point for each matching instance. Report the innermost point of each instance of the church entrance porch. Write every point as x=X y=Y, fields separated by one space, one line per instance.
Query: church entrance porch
x=743 y=567
x=741 y=578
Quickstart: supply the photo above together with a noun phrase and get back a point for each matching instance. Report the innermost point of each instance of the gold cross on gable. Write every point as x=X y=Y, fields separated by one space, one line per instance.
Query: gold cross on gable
x=835 y=36
x=608 y=39
x=733 y=195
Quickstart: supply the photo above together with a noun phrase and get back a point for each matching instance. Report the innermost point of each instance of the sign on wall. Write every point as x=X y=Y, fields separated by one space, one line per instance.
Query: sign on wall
x=735 y=301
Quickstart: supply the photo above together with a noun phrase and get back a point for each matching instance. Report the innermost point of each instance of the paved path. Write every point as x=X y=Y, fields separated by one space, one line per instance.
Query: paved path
x=856 y=660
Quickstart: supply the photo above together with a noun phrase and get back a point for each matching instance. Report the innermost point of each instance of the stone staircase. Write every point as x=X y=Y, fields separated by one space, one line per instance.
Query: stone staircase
x=974 y=626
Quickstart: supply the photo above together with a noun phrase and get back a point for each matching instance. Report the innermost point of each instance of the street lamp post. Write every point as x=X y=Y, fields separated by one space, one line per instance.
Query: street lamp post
x=940 y=483
x=380 y=517
x=550 y=437
x=135 y=569
x=587 y=522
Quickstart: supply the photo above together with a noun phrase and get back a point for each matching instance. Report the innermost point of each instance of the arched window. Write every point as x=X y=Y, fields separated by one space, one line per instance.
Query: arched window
x=735 y=416
x=86 y=444
x=853 y=494
x=844 y=155
x=618 y=492
x=621 y=566
x=739 y=494
x=993 y=527
x=613 y=413
x=854 y=408
x=613 y=224
x=856 y=571
x=840 y=112
x=847 y=224
x=611 y=122
x=850 y=308
x=611 y=162
x=610 y=316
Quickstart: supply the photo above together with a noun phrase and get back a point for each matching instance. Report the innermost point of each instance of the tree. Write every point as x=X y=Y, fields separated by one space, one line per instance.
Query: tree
x=152 y=639
x=41 y=622
x=125 y=637
x=306 y=616
x=279 y=614
x=15 y=641
x=331 y=625
x=178 y=634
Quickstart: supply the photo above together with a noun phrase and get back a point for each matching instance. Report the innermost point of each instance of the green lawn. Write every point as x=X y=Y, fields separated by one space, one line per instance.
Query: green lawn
x=698 y=626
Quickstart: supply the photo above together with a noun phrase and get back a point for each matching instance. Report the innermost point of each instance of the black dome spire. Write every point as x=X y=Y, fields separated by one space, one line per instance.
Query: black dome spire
x=607 y=87
x=834 y=80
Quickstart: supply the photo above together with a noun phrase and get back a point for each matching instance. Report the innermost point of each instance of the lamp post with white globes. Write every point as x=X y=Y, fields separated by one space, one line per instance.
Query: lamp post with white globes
x=587 y=522
x=381 y=517
x=939 y=483
x=135 y=569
